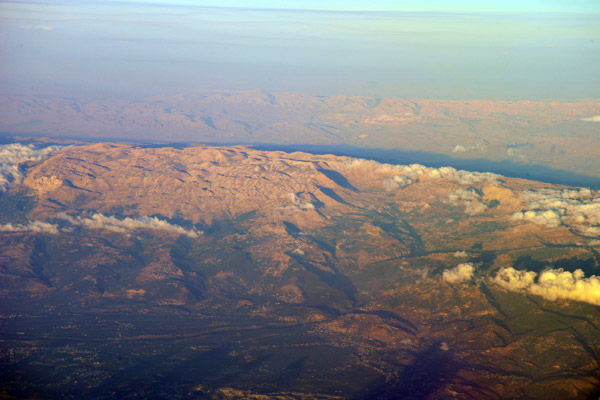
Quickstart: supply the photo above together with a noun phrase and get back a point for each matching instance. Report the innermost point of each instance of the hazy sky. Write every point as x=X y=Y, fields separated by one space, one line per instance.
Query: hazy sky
x=419 y=49
x=395 y=5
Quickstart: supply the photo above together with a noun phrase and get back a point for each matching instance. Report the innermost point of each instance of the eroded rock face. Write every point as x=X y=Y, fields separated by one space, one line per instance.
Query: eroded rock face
x=228 y=271
x=45 y=184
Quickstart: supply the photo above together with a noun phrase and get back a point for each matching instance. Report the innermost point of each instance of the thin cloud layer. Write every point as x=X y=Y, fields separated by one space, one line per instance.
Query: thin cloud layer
x=13 y=155
x=595 y=118
x=100 y=221
x=578 y=209
x=127 y=225
x=39 y=27
x=461 y=273
x=33 y=226
x=552 y=284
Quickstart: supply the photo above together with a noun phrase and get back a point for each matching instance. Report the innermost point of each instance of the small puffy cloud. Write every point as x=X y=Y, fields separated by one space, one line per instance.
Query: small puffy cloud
x=515 y=153
x=514 y=280
x=299 y=202
x=543 y=217
x=595 y=118
x=33 y=226
x=551 y=284
x=13 y=155
x=474 y=208
x=126 y=225
x=481 y=148
x=39 y=27
x=470 y=199
x=460 y=254
x=461 y=273
x=396 y=182
x=463 y=195
x=299 y=252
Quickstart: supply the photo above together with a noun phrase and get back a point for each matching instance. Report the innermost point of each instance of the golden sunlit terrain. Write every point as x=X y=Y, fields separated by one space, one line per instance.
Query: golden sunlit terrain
x=233 y=272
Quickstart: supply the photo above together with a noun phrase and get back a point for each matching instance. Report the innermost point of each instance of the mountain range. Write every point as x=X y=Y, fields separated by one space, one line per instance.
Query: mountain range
x=211 y=272
x=559 y=135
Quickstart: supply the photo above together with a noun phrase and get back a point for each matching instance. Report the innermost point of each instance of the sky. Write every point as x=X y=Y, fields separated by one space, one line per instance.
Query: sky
x=509 y=50
x=395 y=5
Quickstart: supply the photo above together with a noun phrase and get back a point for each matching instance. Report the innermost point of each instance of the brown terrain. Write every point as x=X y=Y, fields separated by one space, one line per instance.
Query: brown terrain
x=229 y=272
x=559 y=135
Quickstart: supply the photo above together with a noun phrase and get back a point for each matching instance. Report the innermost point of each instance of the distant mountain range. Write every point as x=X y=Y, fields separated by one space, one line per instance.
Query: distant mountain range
x=563 y=136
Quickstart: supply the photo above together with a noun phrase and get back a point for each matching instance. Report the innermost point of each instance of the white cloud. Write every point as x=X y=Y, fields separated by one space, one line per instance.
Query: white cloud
x=299 y=202
x=470 y=199
x=33 y=226
x=397 y=176
x=39 y=27
x=12 y=155
x=595 y=118
x=551 y=284
x=413 y=173
x=461 y=273
x=543 y=217
x=513 y=152
x=100 y=221
x=126 y=225
x=474 y=208
x=460 y=254
x=578 y=209
x=480 y=148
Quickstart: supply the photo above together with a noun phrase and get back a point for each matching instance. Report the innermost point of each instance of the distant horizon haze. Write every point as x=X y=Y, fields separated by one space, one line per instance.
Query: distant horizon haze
x=133 y=49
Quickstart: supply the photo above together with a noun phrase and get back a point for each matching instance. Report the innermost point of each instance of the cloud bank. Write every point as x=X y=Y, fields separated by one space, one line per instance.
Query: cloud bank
x=461 y=273
x=552 y=284
x=578 y=209
x=100 y=221
x=413 y=173
x=126 y=225
x=404 y=175
x=33 y=226
x=12 y=155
